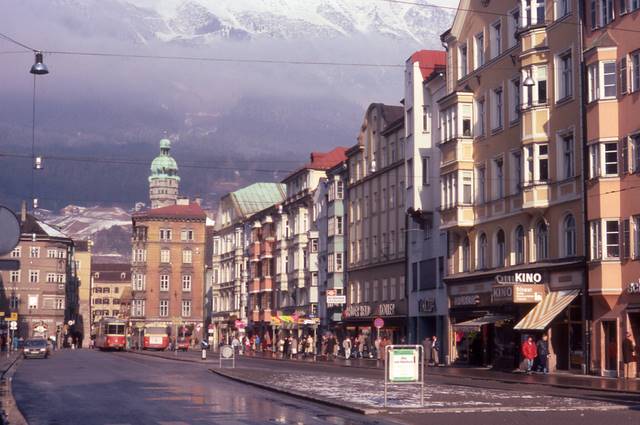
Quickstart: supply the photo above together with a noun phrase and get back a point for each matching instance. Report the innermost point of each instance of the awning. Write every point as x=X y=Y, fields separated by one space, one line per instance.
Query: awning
x=542 y=314
x=476 y=324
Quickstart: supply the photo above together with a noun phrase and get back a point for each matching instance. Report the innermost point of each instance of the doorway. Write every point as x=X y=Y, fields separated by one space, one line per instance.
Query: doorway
x=609 y=329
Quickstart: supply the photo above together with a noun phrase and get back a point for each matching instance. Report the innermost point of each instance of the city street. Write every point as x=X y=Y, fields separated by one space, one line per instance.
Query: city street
x=92 y=387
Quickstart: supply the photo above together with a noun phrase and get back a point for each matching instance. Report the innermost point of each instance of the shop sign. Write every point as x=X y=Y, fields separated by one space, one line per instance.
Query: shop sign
x=522 y=294
x=634 y=287
x=519 y=277
x=387 y=309
x=358 y=310
x=427 y=305
x=461 y=300
x=336 y=300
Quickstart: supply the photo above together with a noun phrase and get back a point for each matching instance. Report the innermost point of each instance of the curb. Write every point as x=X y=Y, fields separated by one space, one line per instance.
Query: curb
x=11 y=413
x=326 y=402
x=177 y=359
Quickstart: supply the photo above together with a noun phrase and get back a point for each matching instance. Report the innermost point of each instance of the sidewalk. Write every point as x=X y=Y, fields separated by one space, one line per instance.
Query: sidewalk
x=560 y=380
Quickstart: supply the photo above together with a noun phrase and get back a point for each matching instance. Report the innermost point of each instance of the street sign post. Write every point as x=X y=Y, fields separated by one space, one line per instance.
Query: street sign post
x=228 y=353
x=404 y=365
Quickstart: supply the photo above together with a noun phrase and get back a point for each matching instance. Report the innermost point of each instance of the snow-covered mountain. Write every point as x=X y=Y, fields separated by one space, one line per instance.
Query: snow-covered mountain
x=202 y=21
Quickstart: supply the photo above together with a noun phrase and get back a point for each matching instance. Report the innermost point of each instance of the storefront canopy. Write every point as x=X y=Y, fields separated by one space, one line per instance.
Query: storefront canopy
x=476 y=324
x=547 y=310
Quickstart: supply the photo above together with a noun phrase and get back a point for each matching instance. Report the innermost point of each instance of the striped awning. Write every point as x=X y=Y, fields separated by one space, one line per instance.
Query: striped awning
x=476 y=324
x=542 y=314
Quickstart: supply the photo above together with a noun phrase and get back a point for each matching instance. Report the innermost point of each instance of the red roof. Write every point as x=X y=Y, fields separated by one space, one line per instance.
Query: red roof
x=430 y=61
x=326 y=160
x=192 y=210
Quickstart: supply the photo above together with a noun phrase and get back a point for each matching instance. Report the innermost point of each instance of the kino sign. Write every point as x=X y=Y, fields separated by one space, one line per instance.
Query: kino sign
x=520 y=277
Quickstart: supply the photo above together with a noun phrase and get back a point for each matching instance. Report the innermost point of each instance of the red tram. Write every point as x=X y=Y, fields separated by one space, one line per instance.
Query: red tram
x=111 y=334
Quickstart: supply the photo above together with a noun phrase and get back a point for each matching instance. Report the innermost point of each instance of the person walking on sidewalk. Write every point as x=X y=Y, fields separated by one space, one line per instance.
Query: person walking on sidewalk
x=346 y=344
x=310 y=346
x=360 y=341
x=329 y=347
x=627 y=355
x=435 y=350
x=529 y=352
x=426 y=346
x=542 y=347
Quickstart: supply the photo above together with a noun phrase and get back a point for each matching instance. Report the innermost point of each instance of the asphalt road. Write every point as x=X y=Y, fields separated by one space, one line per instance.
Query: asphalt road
x=91 y=387
x=87 y=387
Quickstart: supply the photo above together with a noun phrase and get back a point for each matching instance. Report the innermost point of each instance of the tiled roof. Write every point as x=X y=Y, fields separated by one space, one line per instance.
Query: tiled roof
x=102 y=267
x=192 y=210
x=430 y=61
x=112 y=272
x=392 y=113
x=258 y=196
x=326 y=160
x=32 y=225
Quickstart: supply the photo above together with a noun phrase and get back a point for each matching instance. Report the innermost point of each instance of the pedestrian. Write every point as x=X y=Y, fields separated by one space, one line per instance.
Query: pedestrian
x=378 y=346
x=435 y=350
x=330 y=346
x=294 y=347
x=426 y=346
x=258 y=341
x=542 y=347
x=360 y=346
x=529 y=352
x=627 y=354
x=281 y=347
x=346 y=344
x=310 y=345
x=235 y=344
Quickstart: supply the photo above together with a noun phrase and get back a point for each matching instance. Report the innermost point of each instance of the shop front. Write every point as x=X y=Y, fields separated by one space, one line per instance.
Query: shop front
x=358 y=319
x=615 y=317
x=428 y=317
x=491 y=318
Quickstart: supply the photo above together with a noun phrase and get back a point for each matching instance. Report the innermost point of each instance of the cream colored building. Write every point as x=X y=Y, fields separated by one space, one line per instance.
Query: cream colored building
x=82 y=262
x=376 y=225
x=109 y=282
x=511 y=181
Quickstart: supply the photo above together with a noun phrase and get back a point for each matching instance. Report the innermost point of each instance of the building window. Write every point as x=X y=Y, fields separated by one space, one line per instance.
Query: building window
x=496 y=114
x=626 y=238
x=33 y=302
x=16 y=252
x=34 y=252
x=14 y=302
x=635 y=4
x=186 y=235
x=467 y=188
x=516 y=172
x=496 y=39
x=481 y=181
x=425 y=171
x=139 y=281
x=462 y=60
x=501 y=250
x=482 y=251
x=186 y=283
x=520 y=245
x=426 y=118
x=593 y=14
x=610 y=159
x=498 y=165
x=569 y=231
x=536 y=94
x=59 y=304
x=165 y=256
x=164 y=282
x=339 y=189
x=635 y=149
x=612 y=239
x=165 y=234
x=514 y=23
x=601 y=80
x=542 y=241
x=636 y=239
x=606 y=12
x=567 y=155
x=623 y=75
x=543 y=162
x=479 y=50
x=480 y=118
x=339 y=264
x=635 y=71
x=187 y=256
x=14 y=276
x=164 y=308
x=186 y=308
x=563 y=8
x=565 y=82
x=466 y=255
x=51 y=277
x=34 y=276
x=140 y=255
x=514 y=100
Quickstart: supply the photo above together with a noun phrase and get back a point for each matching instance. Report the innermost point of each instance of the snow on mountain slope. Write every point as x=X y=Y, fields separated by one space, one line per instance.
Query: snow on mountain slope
x=289 y=19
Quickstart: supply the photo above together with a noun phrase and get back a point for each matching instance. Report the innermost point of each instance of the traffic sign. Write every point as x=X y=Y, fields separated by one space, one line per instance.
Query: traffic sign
x=226 y=351
x=378 y=322
x=13 y=317
x=9 y=230
x=13 y=326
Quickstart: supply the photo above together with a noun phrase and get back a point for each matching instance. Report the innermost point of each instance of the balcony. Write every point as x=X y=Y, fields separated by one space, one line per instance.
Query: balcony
x=254 y=251
x=266 y=250
x=536 y=196
x=457 y=217
x=456 y=150
x=254 y=285
x=266 y=284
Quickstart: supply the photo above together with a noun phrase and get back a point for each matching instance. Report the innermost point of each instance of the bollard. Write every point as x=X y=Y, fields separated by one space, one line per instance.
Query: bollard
x=204 y=354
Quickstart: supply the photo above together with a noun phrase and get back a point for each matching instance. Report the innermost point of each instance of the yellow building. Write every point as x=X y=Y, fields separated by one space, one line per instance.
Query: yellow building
x=109 y=282
x=511 y=187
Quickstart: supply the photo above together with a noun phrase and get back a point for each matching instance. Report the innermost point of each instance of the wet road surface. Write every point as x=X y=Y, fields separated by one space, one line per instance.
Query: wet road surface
x=90 y=387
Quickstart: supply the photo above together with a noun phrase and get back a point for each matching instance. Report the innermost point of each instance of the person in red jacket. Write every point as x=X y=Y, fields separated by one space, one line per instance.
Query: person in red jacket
x=529 y=352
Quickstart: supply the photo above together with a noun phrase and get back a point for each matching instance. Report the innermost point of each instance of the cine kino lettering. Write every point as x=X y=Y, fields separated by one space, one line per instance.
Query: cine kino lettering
x=524 y=277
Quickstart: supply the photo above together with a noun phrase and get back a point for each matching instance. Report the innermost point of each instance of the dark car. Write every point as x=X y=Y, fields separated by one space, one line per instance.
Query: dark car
x=35 y=348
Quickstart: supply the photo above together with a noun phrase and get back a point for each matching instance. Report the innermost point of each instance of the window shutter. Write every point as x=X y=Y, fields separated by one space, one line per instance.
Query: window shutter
x=624 y=156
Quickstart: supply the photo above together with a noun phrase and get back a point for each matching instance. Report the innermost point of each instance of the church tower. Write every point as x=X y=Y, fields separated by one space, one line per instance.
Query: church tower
x=164 y=179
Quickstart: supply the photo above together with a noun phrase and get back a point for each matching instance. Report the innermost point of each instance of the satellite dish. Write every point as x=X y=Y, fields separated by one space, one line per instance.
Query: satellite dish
x=9 y=230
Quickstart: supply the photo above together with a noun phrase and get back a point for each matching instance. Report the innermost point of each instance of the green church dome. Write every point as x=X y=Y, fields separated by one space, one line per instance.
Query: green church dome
x=164 y=166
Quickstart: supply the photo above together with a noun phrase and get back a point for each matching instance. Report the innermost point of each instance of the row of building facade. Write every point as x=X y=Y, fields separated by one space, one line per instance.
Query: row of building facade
x=498 y=201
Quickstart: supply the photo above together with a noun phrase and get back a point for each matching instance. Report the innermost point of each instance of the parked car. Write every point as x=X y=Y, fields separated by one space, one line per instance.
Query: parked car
x=35 y=348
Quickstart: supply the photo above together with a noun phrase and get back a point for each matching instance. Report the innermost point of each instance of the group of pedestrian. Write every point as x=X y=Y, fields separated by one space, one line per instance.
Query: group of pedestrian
x=431 y=348
x=532 y=351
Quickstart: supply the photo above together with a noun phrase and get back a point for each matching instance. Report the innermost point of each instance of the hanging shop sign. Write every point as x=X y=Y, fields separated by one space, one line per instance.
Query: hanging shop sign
x=634 y=287
x=518 y=294
x=520 y=277
x=336 y=300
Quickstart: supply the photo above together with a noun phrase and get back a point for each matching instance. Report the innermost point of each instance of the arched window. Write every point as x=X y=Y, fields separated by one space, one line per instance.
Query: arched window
x=569 y=233
x=482 y=251
x=500 y=249
x=520 y=245
x=542 y=241
x=466 y=255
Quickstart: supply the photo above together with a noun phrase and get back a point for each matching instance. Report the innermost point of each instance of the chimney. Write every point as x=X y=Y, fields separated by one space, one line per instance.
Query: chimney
x=198 y=200
x=23 y=212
